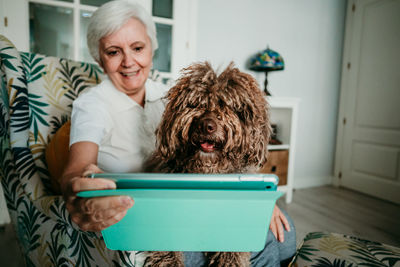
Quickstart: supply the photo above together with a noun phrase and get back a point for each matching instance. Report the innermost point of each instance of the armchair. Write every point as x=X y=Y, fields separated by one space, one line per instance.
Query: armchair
x=36 y=98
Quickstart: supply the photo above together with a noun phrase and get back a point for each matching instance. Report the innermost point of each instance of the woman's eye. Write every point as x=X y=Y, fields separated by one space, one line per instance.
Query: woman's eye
x=138 y=49
x=112 y=53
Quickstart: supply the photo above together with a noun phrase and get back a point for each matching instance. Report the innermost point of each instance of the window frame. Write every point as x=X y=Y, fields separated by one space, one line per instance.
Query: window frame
x=183 y=27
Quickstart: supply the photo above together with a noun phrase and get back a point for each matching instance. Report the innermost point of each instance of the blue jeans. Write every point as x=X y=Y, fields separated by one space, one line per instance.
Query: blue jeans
x=272 y=255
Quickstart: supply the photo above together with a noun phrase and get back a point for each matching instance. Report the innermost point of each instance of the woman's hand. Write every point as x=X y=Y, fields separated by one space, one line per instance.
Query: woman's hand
x=279 y=220
x=97 y=213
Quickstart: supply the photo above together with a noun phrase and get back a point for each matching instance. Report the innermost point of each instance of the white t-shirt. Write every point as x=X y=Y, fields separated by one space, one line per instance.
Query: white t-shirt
x=123 y=130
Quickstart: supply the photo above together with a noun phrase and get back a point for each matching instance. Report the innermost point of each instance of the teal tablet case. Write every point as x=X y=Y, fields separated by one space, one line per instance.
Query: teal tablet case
x=258 y=181
x=191 y=219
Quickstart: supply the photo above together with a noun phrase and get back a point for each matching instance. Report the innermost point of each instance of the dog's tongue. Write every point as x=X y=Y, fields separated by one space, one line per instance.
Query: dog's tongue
x=207 y=147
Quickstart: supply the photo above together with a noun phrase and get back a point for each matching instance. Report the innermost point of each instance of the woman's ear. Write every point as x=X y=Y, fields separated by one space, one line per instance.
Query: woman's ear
x=100 y=62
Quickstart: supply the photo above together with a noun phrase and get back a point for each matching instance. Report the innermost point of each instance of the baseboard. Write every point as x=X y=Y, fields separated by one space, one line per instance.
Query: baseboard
x=312 y=181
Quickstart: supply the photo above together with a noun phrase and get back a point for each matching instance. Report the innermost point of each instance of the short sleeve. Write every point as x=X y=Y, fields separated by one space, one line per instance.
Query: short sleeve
x=89 y=120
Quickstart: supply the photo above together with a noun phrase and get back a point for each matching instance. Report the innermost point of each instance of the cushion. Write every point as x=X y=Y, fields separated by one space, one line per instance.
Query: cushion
x=331 y=249
x=57 y=153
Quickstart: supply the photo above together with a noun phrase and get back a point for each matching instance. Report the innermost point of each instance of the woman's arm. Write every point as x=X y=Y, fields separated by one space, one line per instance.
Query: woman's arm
x=90 y=214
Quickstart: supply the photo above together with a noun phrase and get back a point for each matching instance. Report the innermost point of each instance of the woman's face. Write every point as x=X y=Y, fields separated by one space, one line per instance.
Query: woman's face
x=126 y=57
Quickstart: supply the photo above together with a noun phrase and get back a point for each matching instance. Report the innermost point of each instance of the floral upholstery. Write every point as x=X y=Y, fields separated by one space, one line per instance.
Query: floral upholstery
x=36 y=98
x=329 y=249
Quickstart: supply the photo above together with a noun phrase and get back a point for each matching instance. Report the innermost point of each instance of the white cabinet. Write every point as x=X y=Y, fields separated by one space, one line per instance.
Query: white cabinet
x=284 y=113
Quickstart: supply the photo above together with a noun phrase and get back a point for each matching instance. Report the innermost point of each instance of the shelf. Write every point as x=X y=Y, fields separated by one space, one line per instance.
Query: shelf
x=279 y=147
x=282 y=102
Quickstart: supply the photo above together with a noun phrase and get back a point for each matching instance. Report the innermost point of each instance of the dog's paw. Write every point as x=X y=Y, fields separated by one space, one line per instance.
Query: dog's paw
x=164 y=259
x=231 y=259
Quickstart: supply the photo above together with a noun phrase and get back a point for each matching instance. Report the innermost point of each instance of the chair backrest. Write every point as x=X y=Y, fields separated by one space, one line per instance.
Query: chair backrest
x=38 y=94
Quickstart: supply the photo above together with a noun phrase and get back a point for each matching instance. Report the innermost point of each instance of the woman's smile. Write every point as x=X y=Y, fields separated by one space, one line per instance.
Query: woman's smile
x=130 y=74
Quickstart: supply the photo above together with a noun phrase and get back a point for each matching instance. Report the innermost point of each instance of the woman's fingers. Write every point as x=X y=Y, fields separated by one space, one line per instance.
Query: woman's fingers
x=78 y=184
x=281 y=235
x=272 y=226
x=285 y=221
x=85 y=184
x=278 y=221
x=94 y=214
x=91 y=168
x=101 y=225
x=99 y=204
x=97 y=213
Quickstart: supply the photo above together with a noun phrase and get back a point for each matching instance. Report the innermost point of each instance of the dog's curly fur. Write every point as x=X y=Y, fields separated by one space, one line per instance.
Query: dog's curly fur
x=212 y=124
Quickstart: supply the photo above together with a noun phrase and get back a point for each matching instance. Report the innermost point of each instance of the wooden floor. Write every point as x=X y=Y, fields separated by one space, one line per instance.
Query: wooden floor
x=313 y=209
x=344 y=211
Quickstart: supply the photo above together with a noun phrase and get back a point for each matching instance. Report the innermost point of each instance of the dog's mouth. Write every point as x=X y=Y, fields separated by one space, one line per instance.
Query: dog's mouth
x=206 y=136
x=207 y=147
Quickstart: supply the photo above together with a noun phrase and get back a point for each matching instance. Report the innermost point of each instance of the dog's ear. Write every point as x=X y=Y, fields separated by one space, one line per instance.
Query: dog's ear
x=256 y=116
x=166 y=139
x=252 y=110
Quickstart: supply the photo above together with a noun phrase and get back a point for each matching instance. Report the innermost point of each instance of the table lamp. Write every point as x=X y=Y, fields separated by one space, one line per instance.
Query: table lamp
x=266 y=61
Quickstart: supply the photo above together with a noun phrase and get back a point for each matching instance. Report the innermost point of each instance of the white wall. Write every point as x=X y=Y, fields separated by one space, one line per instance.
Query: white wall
x=309 y=36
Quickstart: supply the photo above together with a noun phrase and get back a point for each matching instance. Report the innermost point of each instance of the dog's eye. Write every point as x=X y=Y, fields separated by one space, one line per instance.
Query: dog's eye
x=240 y=116
x=192 y=105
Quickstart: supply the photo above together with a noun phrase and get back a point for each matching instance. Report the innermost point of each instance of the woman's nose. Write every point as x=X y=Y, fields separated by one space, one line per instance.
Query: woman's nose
x=128 y=60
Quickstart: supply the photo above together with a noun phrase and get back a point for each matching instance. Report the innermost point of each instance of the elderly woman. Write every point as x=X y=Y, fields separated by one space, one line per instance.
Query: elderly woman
x=113 y=125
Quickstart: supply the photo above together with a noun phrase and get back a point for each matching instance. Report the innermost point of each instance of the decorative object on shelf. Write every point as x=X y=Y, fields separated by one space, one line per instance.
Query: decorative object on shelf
x=266 y=61
x=274 y=135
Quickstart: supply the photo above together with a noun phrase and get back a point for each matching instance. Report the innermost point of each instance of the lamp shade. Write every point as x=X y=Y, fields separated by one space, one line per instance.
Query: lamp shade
x=267 y=60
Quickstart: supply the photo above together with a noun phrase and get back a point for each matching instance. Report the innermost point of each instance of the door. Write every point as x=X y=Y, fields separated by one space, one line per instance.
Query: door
x=368 y=147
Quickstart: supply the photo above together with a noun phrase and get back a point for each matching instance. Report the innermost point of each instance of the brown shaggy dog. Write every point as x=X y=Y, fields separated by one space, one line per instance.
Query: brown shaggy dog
x=211 y=124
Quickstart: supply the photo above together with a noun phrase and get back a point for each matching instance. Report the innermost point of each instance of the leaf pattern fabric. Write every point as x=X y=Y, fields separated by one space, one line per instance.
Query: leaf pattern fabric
x=36 y=98
x=321 y=249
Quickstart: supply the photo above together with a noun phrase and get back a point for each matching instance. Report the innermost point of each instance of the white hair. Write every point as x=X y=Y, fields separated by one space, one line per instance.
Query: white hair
x=110 y=17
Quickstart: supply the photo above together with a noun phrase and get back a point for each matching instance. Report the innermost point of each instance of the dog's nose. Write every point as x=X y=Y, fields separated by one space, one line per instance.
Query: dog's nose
x=208 y=126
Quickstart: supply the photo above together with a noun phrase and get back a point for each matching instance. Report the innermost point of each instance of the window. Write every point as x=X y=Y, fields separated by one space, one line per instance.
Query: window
x=58 y=28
